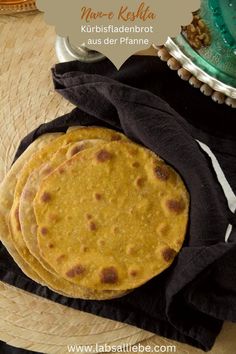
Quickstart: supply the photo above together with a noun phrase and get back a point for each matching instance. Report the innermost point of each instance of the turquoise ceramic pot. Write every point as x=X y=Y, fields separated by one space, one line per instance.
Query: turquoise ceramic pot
x=216 y=64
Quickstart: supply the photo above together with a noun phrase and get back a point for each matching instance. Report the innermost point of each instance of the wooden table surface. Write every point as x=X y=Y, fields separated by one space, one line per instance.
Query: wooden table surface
x=28 y=99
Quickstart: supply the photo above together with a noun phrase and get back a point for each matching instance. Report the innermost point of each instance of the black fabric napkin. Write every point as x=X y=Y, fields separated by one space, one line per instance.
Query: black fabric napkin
x=189 y=301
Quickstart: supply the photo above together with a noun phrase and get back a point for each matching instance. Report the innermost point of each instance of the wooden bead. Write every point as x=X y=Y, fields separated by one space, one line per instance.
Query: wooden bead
x=206 y=90
x=218 y=97
x=184 y=74
x=157 y=47
x=195 y=82
x=231 y=102
x=163 y=54
x=173 y=64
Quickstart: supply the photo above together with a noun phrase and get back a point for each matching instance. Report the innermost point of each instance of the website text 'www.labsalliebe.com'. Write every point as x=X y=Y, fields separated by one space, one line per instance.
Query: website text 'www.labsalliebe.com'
x=126 y=348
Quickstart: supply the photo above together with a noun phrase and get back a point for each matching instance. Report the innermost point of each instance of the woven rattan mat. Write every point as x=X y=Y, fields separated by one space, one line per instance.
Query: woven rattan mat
x=27 y=100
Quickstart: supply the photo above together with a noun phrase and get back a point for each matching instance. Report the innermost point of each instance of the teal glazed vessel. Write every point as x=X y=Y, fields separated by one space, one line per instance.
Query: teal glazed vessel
x=214 y=65
x=224 y=13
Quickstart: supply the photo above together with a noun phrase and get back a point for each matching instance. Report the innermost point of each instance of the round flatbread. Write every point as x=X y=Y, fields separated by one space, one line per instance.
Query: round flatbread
x=26 y=210
x=43 y=156
x=7 y=189
x=120 y=216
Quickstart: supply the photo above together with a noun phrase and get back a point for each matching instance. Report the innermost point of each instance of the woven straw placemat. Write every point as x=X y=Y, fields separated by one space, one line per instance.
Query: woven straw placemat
x=27 y=100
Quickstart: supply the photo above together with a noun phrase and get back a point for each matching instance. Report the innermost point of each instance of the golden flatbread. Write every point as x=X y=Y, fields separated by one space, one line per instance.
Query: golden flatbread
x=52 y=280
x=120 y=216
x=26 y=211
x=43 y=156
x=7 y=189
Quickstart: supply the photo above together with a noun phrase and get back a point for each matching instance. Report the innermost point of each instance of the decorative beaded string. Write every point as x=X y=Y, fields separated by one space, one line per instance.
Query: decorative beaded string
x=185 y=75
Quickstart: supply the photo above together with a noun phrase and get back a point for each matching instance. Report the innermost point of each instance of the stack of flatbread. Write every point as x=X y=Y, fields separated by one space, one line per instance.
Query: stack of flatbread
x=92 y=215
